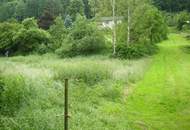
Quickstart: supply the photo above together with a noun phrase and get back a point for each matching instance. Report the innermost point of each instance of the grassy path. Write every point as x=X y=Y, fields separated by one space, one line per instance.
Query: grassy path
x=161 y=101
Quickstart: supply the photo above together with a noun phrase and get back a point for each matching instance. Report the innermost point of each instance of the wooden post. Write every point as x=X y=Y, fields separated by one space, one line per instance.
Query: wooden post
x=66 y=106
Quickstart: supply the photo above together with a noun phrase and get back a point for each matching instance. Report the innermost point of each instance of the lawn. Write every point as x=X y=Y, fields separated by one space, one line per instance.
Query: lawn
x=152 y=93
x=161 y=100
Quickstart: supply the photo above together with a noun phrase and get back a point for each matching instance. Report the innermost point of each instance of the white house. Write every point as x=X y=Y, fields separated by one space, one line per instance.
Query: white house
x=108 y=22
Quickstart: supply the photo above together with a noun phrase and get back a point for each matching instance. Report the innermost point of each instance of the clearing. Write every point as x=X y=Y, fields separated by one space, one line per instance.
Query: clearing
x=161 y=100
x=158 y=97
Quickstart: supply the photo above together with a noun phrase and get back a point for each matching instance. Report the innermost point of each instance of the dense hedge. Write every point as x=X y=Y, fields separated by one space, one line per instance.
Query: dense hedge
x=17 y=38
x=7 y=32
x=135 y=51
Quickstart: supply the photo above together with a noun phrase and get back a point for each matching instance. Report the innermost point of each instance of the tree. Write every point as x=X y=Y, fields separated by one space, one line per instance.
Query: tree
x=7 y=10
x=114 y=28
x=76 y=7
x=182 y=19
x=172 y=5
x=68 y=21
x=84 y=39
x=87 y=9
x=30 y=38
x=7 y=32
x=58 y=33
x=46 y=20
x=20 y=13
x=128 y=24
x=30 y=23
x=65 y=8
x=147 y=27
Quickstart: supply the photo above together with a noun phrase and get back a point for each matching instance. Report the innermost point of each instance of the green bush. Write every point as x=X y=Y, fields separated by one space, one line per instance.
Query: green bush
x=83 y=39
x=58 y=32
x=7 y=32
x=23 y=38
x=29 y=40
x=144 y=33
x=30 y=23
x=182 y=18
x=135 y=51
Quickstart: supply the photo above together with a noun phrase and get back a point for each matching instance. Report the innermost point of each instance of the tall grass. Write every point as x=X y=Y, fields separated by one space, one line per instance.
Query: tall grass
x=32 y=92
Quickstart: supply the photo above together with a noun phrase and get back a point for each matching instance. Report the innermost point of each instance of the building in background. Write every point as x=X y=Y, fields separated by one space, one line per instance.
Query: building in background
x=107 y=22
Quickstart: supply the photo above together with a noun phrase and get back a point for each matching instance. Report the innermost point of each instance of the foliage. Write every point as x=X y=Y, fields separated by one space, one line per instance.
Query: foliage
x=7 y=10
x=7 y=32
x=96 y=87
x=87 y=9
x=135 y=51
x=46 y=20
x=29 y=40
x=144 y=32
x=30 y=23
x=151 y=27
x=172 y=5
x=58 y=33
x=22 y=38
x=14 y=95
x=83 y=39
x=76 y=7
x=182 y=18
x=68 y=21
x=171 y=19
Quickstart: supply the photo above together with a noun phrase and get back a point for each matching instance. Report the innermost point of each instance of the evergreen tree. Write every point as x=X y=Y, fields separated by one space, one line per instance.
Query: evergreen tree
x=87 y=9
x=68 y=21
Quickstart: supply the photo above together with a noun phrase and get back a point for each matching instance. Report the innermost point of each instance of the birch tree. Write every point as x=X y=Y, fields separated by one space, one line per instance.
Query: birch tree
x=128 y=25
x=114 y=27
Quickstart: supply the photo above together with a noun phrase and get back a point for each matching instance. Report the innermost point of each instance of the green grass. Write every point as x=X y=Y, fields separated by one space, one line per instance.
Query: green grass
x=161 y=100
x=104 y=93
x=32 y=95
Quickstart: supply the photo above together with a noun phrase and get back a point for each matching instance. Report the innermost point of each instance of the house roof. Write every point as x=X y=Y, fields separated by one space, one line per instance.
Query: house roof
x=111 y=18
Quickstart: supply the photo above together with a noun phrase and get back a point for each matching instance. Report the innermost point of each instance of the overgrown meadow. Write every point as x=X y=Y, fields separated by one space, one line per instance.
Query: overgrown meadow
x=103 y=47
x=32 y=92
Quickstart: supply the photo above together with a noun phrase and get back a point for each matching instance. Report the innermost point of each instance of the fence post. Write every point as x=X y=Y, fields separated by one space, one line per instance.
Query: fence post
x=66 y=106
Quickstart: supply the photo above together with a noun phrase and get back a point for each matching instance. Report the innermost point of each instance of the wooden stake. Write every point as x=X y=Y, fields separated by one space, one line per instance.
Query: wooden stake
x=66 y=105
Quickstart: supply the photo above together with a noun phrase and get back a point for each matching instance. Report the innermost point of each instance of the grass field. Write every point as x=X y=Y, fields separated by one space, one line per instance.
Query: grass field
x=32 y=91
x=104 y=94
x=161 y=100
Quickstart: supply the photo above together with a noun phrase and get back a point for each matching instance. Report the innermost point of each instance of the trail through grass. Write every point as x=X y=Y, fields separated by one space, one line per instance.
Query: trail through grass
x=161 y=100
x=104 y=93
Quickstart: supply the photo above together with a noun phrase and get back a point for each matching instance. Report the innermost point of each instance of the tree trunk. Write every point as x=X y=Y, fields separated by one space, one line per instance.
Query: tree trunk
x=128 y=26
x=114 y=27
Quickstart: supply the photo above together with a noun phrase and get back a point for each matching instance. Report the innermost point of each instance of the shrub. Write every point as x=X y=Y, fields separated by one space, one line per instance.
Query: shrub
x=30 y=23
x=22 y=38
x=135 y=51
x=83 y=39
x=144 y=33
x=182 y=17
x=7 y=32
x=58 y=33
x=29 y=40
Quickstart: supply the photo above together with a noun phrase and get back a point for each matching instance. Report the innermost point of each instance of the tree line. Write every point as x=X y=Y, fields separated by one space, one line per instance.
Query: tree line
x=172 y=5
x=69 y=27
